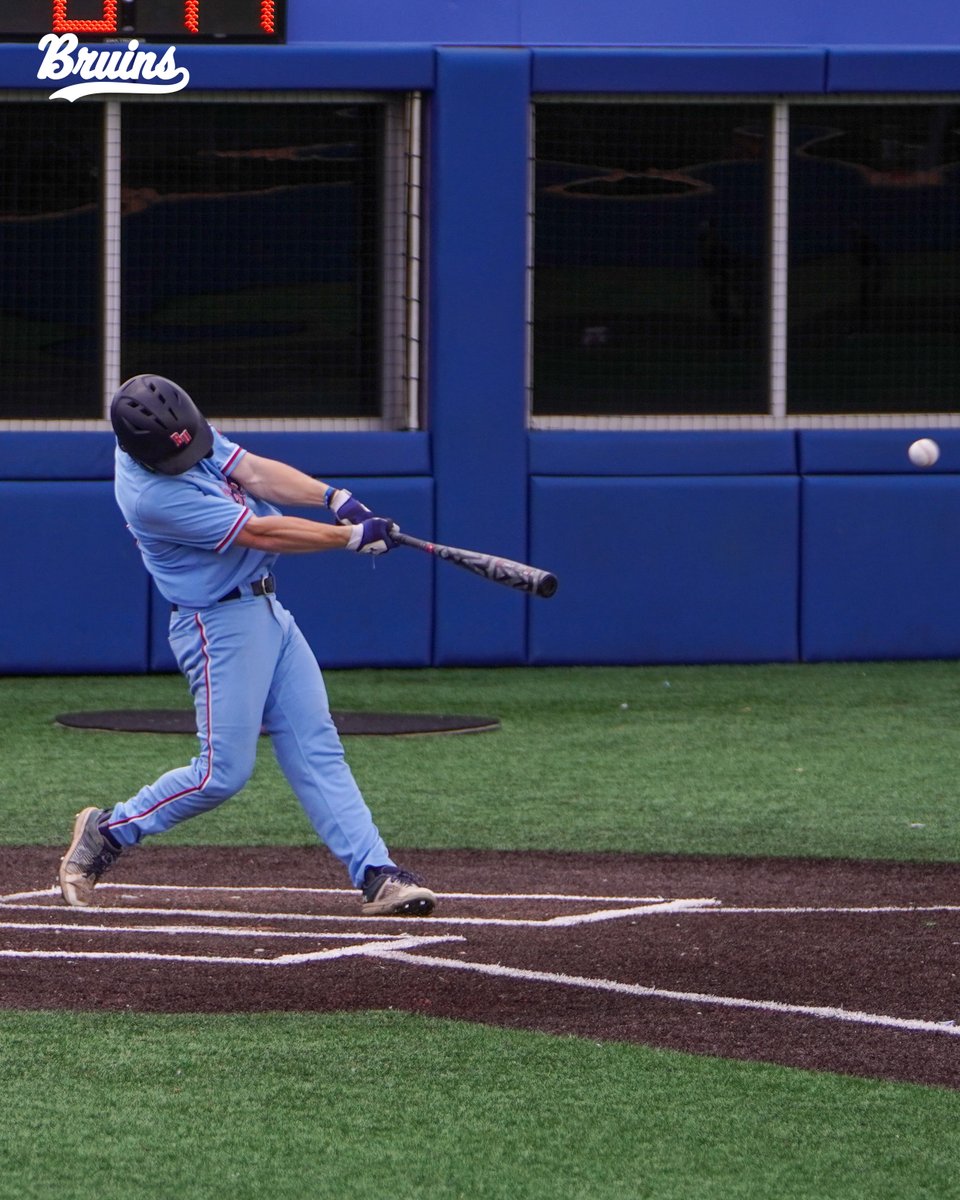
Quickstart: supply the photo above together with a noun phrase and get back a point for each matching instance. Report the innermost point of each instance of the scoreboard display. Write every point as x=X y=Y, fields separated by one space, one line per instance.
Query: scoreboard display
x=174 y=21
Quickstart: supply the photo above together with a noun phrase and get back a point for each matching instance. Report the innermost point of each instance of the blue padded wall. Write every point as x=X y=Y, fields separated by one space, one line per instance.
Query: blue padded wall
x=879 y=566
x=77 y=595
x=354 y=610
x=477 y=337
x=38 y=456
x=626 y=452
x=678 y=69
x=666 y=570
x=873 y=451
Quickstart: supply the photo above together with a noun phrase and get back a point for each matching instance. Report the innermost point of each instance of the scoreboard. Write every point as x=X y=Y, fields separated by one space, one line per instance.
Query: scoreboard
x=176 y=21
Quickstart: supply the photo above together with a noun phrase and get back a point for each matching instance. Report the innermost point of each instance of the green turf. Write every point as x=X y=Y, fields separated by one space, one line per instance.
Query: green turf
x=279 y=1107
x=835 y=759
x=842 y=760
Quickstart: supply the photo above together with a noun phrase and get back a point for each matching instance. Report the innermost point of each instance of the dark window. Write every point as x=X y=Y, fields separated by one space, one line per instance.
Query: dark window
x=874 y=293
x=50 y=260
x=251 y=254
x=650 y=258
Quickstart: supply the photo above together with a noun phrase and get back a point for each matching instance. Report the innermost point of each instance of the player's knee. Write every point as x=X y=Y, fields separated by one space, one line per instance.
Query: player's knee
x=226 y=779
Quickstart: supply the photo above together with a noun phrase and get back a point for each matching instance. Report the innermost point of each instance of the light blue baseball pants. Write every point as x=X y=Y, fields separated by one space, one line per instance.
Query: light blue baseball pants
x=249 y=666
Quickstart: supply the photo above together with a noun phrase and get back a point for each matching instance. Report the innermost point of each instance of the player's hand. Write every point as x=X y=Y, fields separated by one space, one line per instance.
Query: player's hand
x=373 y=536
x=348 y=510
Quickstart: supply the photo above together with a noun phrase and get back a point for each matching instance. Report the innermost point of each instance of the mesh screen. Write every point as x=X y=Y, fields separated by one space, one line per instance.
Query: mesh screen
x=650 y=258
x=874 y=291
x=49 y=260
x=250 y=254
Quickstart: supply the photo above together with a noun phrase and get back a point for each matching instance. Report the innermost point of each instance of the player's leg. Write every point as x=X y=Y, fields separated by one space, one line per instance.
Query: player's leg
x=310 y=754
x=308 y=748
x=227 y=654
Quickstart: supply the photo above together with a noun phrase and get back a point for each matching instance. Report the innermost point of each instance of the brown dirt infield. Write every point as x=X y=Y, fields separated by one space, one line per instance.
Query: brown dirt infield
x=826 y=965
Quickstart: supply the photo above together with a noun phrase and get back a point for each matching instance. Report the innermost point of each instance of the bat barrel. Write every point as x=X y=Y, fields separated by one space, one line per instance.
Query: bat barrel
x=499 y=570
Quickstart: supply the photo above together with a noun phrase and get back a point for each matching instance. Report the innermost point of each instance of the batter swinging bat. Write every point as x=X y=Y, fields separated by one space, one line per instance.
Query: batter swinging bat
x=500 y=570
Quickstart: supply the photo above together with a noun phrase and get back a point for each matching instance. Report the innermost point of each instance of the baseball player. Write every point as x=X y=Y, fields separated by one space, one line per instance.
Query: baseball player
x=202 y=512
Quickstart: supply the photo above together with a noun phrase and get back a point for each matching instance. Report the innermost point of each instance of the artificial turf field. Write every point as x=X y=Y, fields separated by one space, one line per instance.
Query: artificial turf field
x=835 y=761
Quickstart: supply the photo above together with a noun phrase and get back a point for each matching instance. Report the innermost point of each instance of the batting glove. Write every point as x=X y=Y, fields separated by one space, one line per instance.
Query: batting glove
x=372 y=536
x=346 y=509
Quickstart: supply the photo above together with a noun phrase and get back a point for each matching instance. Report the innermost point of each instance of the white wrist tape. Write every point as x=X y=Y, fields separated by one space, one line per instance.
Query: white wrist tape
x=356 y=533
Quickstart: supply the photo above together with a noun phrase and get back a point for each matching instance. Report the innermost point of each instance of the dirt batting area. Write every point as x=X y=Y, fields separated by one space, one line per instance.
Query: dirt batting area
x=827 y=965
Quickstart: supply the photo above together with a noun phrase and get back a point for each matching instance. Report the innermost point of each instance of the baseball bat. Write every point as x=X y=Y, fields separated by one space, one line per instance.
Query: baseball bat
x=501 y=570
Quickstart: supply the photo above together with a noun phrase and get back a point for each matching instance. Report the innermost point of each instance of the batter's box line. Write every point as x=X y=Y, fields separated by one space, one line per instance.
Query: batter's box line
x=572 y=919
x=282 y=960
x=777 y=1007
x=560 y=898
x=304 y=935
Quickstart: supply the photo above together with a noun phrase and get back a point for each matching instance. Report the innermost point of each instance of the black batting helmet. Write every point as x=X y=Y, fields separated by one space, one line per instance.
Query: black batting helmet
x=158 y=424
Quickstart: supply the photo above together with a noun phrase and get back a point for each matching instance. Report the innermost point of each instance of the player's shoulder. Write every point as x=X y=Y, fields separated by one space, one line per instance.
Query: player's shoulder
x=225 y=453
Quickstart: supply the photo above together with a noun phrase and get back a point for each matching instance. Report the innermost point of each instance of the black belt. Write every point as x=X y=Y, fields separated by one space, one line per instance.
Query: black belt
x=266 y=586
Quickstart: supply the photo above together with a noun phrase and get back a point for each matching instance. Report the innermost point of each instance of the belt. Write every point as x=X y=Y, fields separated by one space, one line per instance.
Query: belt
x=266 y=586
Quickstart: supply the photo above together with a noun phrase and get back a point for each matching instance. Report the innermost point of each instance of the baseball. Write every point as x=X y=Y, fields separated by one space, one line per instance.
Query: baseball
x=924 y=453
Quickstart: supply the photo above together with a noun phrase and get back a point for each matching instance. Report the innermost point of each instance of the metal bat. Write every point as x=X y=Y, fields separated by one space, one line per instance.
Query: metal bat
x=500 y=570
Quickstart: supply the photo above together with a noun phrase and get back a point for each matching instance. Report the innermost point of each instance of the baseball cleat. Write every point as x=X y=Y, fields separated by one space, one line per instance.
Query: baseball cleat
x=89 y=856
x=393 y=892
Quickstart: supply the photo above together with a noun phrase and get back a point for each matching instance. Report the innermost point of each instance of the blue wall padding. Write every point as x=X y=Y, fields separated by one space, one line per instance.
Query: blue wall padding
x=25 y=455
x=901 y=69
x=479 y=173
x=678 y=70
x=380 y=67
x=880 y=575
x=567 y=452
x=666 y=570
x=339 y=454
x=873 y=451
x=38 y=456
x=356 y=611
x=76 y=595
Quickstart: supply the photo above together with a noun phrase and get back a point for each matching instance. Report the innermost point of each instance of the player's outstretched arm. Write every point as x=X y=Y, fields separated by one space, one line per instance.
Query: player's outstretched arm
x=296 y=535
x=278 y=483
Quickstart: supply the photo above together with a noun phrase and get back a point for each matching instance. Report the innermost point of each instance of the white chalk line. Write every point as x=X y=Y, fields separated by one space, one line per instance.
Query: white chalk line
x=282 y=960
x=190 y=930
x=11 y=897
x=823 y=1012
x=618 y=914
x=19 y=901
x=327 y=919
x=854 y=910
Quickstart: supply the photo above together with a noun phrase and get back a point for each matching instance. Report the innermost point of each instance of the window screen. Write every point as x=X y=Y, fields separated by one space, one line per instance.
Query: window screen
x=50 y=157
x=650 y=258
x=251 y=254
x=874 y=268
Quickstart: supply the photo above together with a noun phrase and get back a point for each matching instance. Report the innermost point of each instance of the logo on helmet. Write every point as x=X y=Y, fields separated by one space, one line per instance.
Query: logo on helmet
x=181 y=439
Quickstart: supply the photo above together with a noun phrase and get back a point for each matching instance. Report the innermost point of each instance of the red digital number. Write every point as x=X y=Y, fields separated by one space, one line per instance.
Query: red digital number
x=191 y=15
x=62 y=24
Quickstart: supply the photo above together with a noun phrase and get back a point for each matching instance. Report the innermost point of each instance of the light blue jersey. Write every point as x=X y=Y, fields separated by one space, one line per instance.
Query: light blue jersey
x=186 y=525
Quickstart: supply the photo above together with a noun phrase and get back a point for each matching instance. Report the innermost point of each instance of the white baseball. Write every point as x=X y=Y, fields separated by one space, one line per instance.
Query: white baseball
x=924 y=452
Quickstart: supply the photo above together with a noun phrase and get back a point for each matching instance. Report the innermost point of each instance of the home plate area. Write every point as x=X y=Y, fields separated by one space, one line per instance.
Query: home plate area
x=849 y=967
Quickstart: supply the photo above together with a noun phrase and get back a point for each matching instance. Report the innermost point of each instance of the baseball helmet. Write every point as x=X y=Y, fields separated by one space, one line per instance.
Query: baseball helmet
x=158 y=424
